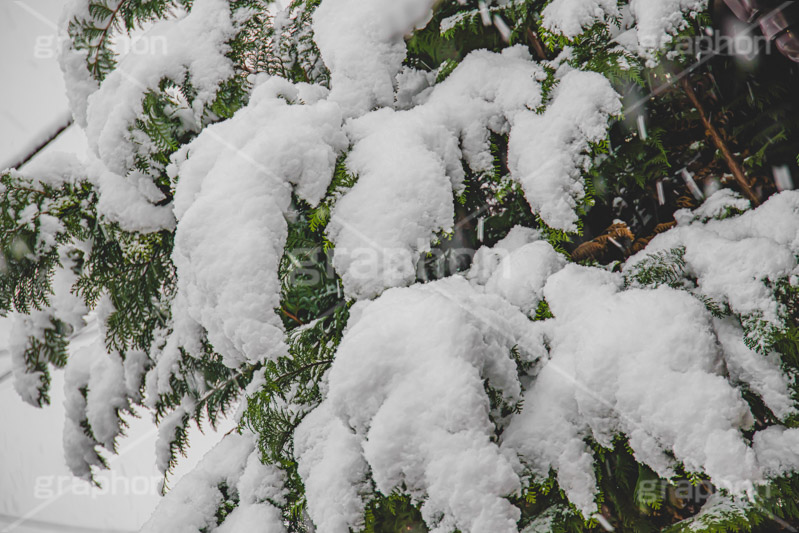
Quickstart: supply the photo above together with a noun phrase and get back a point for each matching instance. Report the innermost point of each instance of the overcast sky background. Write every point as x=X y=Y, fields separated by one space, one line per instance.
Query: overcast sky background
x=32 y=466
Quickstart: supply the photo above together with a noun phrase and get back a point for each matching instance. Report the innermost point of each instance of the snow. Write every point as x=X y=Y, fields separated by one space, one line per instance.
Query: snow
x=762 y=244
x=96 y=394
x=654 y=24
x=330 y=462
x=545 y=521
x=78 y=80
x=106 y=397
x=193 y=45
x=94 y=391
x=166 y=353
x=633 y=411
x=191 y=506
x=717 y=508
x=167 y=433
x=666 y=333
x=605 y=347
x=406 y=406
x=123 y=201
x=487 y=91
x=231 y=202
x=408 y=165
x=657 y=21
x=516 y=268
x=27 y=383
x=763 y=373
x=29 y=330
x=547 y=153
x=405 y=392
x=520 y=277
x=363 y=46
x=777 y=449
x=403 y=197
x=36 y=483
x=38 y=492
x=253 y=518
x=133 y=369
x=261 y=483
x=571 y=17
x=408 y=379
x=413 y=87
x=190 y=45
x=487 y=259
x=455 y=20
x=721 y=204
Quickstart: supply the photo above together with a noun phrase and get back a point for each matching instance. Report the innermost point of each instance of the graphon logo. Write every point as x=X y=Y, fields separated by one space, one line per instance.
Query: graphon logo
x=697 y=493
x=744 y=45
x=47 y=487
x=49 y=46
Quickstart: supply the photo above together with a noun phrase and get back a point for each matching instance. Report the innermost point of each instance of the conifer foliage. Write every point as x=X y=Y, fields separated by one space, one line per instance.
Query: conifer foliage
x=277 y=222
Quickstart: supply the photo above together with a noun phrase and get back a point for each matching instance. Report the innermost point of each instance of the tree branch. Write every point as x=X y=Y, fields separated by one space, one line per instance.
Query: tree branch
x=732 y=163
x=33 y=152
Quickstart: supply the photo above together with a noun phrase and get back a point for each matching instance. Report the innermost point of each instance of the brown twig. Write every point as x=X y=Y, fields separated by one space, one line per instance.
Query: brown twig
x=291 y=316
x=732 y=163
x=537 y=44
x=104 y=37
x=41 y=146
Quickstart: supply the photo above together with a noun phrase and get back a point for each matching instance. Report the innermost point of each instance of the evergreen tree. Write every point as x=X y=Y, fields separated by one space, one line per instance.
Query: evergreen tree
x=279 y=212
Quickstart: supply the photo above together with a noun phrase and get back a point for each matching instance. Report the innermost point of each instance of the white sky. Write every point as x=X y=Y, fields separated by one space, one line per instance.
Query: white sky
x=31 y=97
x=32 y=91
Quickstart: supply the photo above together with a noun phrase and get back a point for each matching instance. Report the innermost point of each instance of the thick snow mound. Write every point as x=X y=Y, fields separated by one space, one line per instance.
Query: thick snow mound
x=363 y=46
x=409 y=167
x=632 y=362
x=548 y=153
x=652 y=364
x=232 y=200
x=408 y=380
